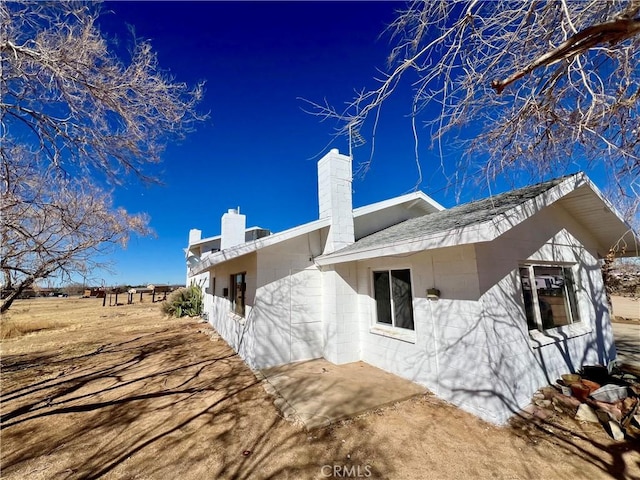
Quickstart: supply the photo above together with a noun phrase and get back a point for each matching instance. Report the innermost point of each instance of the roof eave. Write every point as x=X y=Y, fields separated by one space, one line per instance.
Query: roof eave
x=232 y=253
x=479 y=232
x=391 y=202
x=461 y=236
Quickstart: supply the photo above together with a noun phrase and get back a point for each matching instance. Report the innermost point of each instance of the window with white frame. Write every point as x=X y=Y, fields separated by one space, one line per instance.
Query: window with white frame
x=394 y=302
x=237 y=291
x=549 y=294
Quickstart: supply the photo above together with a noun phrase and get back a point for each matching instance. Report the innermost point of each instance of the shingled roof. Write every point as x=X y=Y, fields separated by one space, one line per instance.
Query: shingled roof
x=454 y=218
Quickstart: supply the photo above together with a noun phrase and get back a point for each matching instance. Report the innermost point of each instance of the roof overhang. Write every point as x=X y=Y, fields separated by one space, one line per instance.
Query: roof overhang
x=416 y=200
x=408 y=200
x=589 y=207
x=577 y=194
x=213 y=259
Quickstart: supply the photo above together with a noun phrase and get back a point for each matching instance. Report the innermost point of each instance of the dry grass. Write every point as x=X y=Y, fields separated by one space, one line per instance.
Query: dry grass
x=10 y=328
x=51 y=313
x=124 y=392
x=626 y=308
x=23 y=318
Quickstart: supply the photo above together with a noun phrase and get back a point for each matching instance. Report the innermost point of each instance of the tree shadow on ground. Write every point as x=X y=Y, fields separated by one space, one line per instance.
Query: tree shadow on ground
x=172 y=403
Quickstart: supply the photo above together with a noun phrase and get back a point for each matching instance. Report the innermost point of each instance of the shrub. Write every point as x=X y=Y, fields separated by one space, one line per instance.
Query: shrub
x=184 y=302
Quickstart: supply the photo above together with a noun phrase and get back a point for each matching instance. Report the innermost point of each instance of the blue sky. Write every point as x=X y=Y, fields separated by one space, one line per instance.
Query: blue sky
x=259 y=148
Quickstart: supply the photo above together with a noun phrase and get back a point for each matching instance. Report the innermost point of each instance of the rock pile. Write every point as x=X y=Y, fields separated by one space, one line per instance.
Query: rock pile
x=593 y=395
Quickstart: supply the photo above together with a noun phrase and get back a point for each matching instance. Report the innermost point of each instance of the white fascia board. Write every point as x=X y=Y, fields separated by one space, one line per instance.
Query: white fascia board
x=462 y=236
x=204 y=240
x=374 y=207
x=249 y=247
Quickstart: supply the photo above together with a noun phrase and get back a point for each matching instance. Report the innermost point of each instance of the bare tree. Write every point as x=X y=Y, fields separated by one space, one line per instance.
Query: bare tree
x=65 y=91
x=74 y=117
x=52 y=224
x=546 y=83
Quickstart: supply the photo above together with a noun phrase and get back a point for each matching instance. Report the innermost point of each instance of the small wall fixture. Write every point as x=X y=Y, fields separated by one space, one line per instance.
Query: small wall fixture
x=433 y=293
x=225 y=292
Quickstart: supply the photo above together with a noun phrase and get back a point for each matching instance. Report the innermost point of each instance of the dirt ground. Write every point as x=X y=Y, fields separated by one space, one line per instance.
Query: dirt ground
x=626 y=308
x=123 y=392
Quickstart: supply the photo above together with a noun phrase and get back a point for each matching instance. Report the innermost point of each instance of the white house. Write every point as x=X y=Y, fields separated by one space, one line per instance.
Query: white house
x=443 y=297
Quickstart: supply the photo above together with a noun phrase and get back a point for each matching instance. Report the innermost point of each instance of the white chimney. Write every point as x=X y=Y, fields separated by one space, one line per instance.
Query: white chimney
x=233 y=227
x=195 y=235
x=334 y=199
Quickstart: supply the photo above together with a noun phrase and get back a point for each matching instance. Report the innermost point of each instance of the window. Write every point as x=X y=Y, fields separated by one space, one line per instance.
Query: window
x=549 y=296
x=392 y=291
x=238 y=287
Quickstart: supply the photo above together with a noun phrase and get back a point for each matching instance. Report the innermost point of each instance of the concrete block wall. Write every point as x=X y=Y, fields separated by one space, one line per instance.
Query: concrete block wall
x=446 y=345
x=287 y=314
x=237 y=331
x=517 y=364
x=472 y=346
x=340 y=314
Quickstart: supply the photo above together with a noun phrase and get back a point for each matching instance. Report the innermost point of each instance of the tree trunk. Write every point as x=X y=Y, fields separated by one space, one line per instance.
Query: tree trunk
x=13 y=295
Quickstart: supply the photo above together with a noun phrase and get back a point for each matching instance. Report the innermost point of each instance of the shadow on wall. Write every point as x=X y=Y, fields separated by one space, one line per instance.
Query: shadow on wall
x=283 y=321
x=486 y=361
x=491 y=367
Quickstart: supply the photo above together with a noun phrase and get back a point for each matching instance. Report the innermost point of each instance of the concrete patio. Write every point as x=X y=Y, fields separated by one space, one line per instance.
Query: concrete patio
x=318 y=393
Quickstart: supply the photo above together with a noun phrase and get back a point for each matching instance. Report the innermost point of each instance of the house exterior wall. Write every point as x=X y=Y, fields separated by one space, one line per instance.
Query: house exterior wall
x=517 y=362
x=444 y=329
x=340 y=314
x=472 y=346
x=236 y=330
x=283 y=298
x=287 y=314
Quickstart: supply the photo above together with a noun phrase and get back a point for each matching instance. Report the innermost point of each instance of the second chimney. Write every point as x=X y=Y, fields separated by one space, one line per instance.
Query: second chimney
x=232 y=229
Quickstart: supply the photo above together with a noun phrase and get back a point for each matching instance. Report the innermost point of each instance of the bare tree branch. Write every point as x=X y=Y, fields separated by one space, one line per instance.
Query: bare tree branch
x=607 y=32
x=72 y=113
x=576 y=101
x=52 y=224
x=80 y=103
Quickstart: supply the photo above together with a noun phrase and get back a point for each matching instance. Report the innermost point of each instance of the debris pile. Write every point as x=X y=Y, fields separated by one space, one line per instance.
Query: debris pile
x=593 y=395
